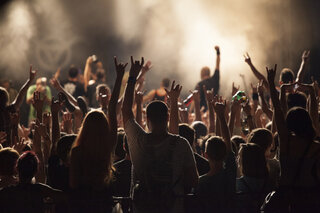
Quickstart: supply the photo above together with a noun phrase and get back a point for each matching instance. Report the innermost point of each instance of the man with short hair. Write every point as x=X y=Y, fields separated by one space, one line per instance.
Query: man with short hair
x=72 y=85
x=163 y=164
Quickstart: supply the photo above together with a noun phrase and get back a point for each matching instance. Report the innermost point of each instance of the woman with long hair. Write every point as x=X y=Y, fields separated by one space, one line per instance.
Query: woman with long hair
x=91 y=156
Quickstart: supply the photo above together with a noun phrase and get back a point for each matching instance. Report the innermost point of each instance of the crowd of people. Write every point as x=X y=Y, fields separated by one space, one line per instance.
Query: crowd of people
x=96 y=149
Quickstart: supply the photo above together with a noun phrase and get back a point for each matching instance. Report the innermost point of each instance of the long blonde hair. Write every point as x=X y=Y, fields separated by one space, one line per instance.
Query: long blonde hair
x=95 y=149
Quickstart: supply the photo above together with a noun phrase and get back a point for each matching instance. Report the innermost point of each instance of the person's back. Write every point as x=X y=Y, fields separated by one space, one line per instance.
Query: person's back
x=217 y=187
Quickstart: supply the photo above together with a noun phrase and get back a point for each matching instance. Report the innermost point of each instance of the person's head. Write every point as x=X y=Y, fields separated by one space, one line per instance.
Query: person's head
x=157 y=116
x=205 y=73
x=165 y=83
x=64 y=146
x=215 y=149
x=187 y=132
x=299 y=122
x=4 y=97
x=8 y=161
x=297 y=99
x=102 y=89
x=252 y=161
x=73 y=72
x=100 y=74
x=27 y=166
x=237 y=140
x=200 y=128
x=263 y=137
x=286 y=76
x=41 y=84
x=95 y=145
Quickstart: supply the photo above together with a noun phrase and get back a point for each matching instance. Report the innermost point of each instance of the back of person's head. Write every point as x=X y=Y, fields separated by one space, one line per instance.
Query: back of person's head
x=215 y=149
x=100 y=74
x=261 y=136
x=165 y=82
x=104 y=90
x=237 y=140
x=299 y=122
x=157 y=112
x=200 y=128
x=73 y=72
x=4 y=97
x=95 y=147
x=8 y=161
x=27 y=166
x=64 y=146
x=286 y=76
x=205 y=73
x=187 y=132
x=297 y=99
x=120 y=153
x=252 y=161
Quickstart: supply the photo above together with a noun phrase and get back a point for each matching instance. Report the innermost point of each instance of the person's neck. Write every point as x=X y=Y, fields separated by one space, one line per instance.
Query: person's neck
x=73 y=79
x=215 y=167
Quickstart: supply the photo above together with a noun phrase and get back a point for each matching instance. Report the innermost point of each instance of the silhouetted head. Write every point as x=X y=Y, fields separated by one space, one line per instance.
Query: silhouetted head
x=103 y=89
x=100 y=74
x=27 y=166
x=64 y=146
x=286 y=76
x=215 y=149
x=297 y=99
x=200 y=128
x=263 y=137
x=73 y=72
x=157 y=116
x=187 y=132
x=165 y=83
x=205 y=73
x=8 y=161
x=237 y=140
x=252 y=161
x=299 y=122
x=120 y=153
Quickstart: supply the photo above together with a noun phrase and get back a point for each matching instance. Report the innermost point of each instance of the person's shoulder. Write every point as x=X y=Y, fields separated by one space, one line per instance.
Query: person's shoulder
x=32 y=87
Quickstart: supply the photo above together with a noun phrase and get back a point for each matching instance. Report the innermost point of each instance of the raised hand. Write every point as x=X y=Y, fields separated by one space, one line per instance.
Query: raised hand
x=37 y=102
x=247 y=108
x=260 y=87
x=271 y=73
x=89 y=60
x=26 y=131
x=120 y=68
x=46 y=119
x=41 y=129
x=146 y=67
x=32 y=73
x=235 y=105
x=20 y=145
x=138 y=97
x=208 y=94
x=234 y=89
x=305 y=55
x=136 y=66
x=247 y=58
x=217 y=48
x=220 y=107
x=55 y=106
x=67 y=122
x=55 y=83
x=174 y=93
x=254 y=88
x=196 y=96
x=14 y=118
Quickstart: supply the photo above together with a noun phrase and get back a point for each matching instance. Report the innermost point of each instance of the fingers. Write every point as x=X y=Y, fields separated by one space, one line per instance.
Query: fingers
x=275 y=67
x=125 y=65
x=142 y=61
x=172 y=85
x=115 y=61
x=30 y=68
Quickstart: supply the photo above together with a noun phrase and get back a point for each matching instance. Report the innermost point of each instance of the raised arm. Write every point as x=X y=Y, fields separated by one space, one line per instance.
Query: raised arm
x=112 y=108
x=250 y=119
x=278 y=113
x=138 y=99
x=22 y=93
x=218 y=58
x=209 y=98
x=174 y=94
x=263 y=103
x=196 y=101
x=128 y=97
x=55 y=109
x=256 y=73
x=301 y=72
x=87 y=72
x=235 y=108
x=141 y=77
x=220 y=109
x=56 y=84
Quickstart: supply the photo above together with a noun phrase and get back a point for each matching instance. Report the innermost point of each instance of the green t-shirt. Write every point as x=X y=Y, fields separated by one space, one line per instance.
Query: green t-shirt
x=46 y=106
